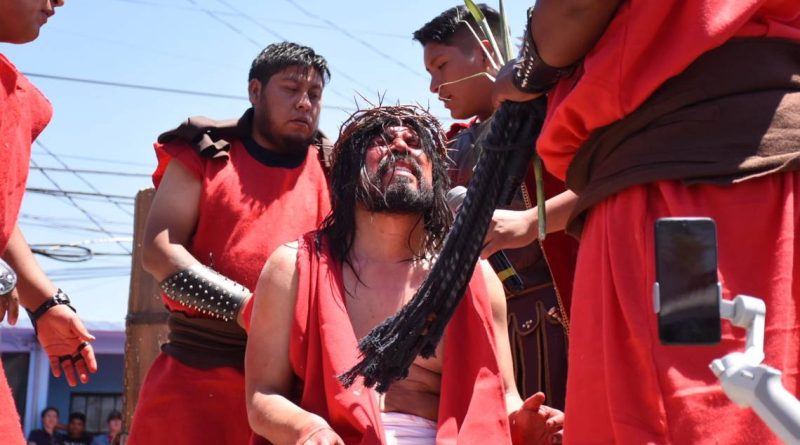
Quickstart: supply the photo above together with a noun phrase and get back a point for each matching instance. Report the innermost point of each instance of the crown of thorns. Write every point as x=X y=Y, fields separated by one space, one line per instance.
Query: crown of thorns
x=365 y=123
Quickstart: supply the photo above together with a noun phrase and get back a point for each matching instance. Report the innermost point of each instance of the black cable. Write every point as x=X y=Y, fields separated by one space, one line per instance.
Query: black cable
x=75 y=204
x=92 y=172
x=155 y=88
x=79 y=176
x=350 y=35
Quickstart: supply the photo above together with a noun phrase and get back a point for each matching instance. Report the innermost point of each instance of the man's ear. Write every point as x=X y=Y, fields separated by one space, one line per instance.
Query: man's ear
x=486 y=63
x=254 y=90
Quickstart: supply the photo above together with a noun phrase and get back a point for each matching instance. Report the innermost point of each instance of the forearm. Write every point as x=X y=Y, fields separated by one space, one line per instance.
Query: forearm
x=162 y=258
x=280 y=421
x=32 y=283
x=558 y=209
x=565 y=30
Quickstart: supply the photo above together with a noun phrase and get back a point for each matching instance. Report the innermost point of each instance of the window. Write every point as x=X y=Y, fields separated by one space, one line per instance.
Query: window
x=96 y=407
x=15 y=365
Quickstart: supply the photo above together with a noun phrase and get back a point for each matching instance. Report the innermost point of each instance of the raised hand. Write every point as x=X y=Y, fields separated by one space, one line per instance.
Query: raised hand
x=535 y=423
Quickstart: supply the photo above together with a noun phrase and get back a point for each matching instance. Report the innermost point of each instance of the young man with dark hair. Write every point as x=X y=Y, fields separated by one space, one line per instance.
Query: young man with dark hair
x=228 y=193
x=76 y=431
x=24 y=113
x=47 y=434
x=315 y=299
x=462 y=73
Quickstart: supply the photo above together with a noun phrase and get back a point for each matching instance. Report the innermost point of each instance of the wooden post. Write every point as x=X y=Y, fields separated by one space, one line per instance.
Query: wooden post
x=146 y=323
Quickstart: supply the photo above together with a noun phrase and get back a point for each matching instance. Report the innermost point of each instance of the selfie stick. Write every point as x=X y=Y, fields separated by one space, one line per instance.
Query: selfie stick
x=748 y=382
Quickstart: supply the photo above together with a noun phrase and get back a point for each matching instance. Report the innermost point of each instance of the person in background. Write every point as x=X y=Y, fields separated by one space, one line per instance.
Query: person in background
x=76 y=431
x=47 y=435
x=114 y=422
x=461 y=69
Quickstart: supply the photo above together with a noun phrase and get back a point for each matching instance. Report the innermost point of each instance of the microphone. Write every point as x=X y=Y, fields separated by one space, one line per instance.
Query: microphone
x=498 y=260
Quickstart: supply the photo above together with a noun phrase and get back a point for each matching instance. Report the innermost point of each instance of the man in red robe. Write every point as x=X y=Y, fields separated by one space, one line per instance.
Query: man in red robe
x=677 y=109
x=461 y=69
x=217 y=215
x=24 y=112
x=315 y=299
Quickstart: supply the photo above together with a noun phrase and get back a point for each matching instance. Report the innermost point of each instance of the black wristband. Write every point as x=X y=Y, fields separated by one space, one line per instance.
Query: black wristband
x=201 y=288
x=531 y=73
x=60 y=297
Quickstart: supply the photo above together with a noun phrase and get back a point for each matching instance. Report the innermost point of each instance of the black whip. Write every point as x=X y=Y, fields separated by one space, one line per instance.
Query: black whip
x=391 y=347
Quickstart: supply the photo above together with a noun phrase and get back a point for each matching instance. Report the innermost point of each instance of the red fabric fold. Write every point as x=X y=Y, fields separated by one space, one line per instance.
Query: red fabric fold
x=472 y=400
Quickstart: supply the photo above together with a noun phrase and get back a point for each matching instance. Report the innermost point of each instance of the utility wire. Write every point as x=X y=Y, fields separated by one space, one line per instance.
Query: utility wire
x=76 y=205
x=58 y=191
x=250 y=19
x=352 y=36
x=155 y=88
x=79 y=176
x=91 y=172
x=101 y=160
x=265 y=19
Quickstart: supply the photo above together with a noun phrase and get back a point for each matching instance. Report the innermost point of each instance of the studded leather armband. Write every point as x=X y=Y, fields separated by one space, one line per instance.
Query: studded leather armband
x=201 y=288
x=531 y=73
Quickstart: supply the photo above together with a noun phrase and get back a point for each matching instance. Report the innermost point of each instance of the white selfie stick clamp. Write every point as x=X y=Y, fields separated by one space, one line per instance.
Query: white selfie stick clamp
x=748 y=382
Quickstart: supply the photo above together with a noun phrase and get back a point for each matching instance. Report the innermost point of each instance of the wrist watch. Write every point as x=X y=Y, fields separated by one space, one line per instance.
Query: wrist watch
x=59 y=298
x=8 y=278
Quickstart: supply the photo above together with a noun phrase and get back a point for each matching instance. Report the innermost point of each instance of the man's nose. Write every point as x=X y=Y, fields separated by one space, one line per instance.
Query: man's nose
x=434 y=85
x=305 y=102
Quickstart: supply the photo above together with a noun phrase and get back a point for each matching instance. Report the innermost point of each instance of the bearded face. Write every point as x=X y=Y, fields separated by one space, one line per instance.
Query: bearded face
x=396 y=174
x=398 y=185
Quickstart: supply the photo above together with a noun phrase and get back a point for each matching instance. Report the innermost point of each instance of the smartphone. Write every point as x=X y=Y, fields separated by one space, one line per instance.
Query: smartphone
x=687 y=291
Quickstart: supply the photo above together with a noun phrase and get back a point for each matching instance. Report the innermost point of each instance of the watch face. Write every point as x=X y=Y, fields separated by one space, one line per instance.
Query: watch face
x=8 y=278
x=61 y=297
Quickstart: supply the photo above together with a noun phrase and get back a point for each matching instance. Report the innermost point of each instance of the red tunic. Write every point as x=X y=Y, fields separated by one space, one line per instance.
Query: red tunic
x=472 y=400
x=623 y=386
x=24 y=112
x=645 y=44
x=247 y=209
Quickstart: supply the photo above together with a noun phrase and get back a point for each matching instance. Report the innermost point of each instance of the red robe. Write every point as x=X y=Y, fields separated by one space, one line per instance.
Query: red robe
x=247 y=209
x=623 y=385
x=647 y=43
x=24 y=112
x=472 y=406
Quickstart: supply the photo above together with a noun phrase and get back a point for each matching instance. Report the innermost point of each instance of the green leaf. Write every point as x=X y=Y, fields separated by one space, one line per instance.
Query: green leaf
x=487 y=31
x=506 y=32
x=540 y=201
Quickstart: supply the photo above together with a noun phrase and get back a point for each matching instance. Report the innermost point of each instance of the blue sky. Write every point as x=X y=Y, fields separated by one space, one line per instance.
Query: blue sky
x=193 y=45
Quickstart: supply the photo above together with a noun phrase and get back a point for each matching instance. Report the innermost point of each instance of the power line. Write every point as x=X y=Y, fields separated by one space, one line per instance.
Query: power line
x=58 y=191
x=155 y=88
x=102 y=160
x=79 y=176
x=74 y=203
x=92 y=172
x=350 y=35
x=265 y=19
x=258 y=44
x=241 y=14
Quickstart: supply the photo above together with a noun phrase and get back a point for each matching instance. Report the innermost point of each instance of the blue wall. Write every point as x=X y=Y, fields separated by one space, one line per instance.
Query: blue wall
x=107 y=379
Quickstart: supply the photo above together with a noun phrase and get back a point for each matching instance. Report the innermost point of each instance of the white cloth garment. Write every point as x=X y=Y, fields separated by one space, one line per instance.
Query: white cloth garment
x=408 y=429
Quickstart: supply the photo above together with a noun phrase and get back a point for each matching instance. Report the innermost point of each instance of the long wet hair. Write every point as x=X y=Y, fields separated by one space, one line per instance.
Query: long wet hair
x=348 y=164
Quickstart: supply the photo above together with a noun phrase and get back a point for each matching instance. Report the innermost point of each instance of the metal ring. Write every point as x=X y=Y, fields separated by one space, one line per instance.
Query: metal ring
x=76 y=357
x=83 y=346
x=64 y=358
